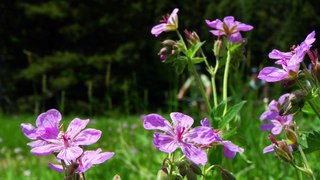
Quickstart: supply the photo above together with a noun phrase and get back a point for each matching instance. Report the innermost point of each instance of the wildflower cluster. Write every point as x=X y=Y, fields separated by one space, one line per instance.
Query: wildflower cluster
x=281 y=114
x=198 y=142
x=68 y=146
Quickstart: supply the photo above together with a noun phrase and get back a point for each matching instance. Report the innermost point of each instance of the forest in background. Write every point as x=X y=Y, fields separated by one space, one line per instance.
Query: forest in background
x=99 y=56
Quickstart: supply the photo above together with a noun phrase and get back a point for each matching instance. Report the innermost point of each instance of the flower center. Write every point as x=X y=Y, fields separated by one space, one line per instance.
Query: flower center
x=180 y=133
x=66 y=140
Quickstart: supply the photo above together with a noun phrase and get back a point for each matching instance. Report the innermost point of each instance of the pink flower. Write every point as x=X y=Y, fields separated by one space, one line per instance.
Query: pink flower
x=48 y=139
x=290 y=62
x=228 y=27
x=168 y=23
x=278 y=122
x=229 y=149
x=47 y=126
x=85 y=161
x=179 y=135
x=68 y=143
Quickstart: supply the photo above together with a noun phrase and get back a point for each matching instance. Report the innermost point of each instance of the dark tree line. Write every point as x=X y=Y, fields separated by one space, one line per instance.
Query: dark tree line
x=99 y=56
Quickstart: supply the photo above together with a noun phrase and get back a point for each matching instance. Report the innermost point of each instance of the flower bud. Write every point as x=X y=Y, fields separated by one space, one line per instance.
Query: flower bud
x=169 y=42
x=283 y=151
x=192 y=37
x=293 y=103
x=217 y=47
x=183 y=167
x=292 y=136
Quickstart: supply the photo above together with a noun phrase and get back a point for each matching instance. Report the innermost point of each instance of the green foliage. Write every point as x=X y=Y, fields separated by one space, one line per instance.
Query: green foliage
x=313 y=142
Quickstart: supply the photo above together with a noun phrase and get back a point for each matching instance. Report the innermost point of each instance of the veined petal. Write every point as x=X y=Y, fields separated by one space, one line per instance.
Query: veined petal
x=165 y=142
x=230 y=149
x=75 y=126
x=217 y=32
x=158 y=29
x=244 y=27
x=268 y=149
x=87 y=137
x=70 y=153
x=276 y=54
x=205 y=122
x=200 y=135
x=46 y=149
x=56 y=167
x=266 y=127
x=157 y=122
x=229 y=20
x=216 y=24
x=173 y=18
x=194 y=153
x=51 y=118
x=29 y=131
x=181 y=120
x=37 y=143
x=277 y=127
x=272 y=74
x=235 y=37
x=310 y=38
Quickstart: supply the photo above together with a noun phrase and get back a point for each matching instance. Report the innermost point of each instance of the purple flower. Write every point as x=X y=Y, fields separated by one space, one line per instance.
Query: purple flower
x=272 y=114
x=168 y=23
x=179 y=135
x=229 y=149
x=228 y=27
x=48 y=139
x=290 y=62
x=68 y=143
x=85 y=161
x=47 y=126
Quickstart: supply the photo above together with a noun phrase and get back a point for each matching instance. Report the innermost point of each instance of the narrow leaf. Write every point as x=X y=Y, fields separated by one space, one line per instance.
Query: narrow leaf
x=231 y=114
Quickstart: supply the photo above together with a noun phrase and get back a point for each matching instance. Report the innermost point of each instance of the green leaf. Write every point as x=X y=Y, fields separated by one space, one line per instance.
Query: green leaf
x=313 y=140
x=231 y=114
x=180 y=63
x=229 y=133
x=226 y=175
x=197 y=60
x=307 y=109
x=194 y=49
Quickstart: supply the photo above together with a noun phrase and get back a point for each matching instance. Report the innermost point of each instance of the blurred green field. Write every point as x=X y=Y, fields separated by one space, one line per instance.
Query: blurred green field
x=136 y=158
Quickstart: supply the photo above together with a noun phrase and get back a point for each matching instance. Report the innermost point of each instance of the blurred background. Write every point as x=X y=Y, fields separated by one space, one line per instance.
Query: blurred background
x=97 y=59
x=98 y=56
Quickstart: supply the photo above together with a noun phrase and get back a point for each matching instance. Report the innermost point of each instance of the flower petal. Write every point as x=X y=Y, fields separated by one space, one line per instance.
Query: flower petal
x=158 y=29
x=244 y=27
x=272 y=74
x=29 y=131
x=75 y=126
x=51 y=118
x=268 y=149
x=70 y=153
x=157 y=122
x=165 y=142
x=46 y=149
x=194 y=153
x=181 y=120
x=230 y=149
x=200 y=135
x=56 y=167
x=87 y=137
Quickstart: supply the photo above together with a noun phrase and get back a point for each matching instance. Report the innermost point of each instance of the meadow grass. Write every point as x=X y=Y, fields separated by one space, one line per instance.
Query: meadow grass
x=137 y=158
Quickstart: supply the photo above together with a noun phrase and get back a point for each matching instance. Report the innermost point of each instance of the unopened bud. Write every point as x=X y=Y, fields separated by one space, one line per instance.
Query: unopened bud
x=162 y=175
x=217 y=47
x=195 y=168
x=283 y=151
x=192 y=37
x=116 y=177
x=183 y=167
x=169 y=42
x=293 y=103
x=292 y=136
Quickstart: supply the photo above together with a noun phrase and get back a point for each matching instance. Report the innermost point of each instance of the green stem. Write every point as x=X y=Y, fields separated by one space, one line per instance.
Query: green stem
x=199 y=84
x=225 y=83
x=307 y=168
x=309 y=101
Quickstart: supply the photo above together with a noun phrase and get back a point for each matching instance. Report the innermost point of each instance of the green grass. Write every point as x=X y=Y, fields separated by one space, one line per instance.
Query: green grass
x=135 y=156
